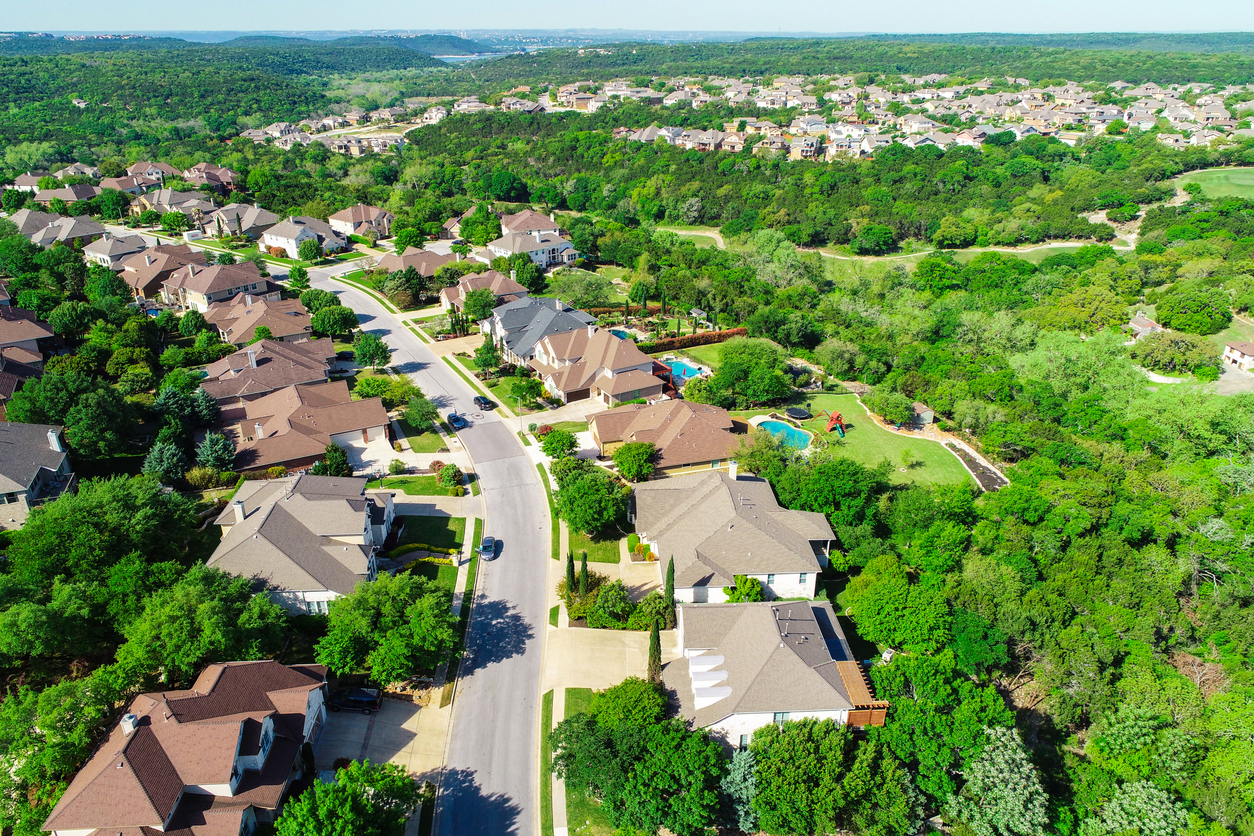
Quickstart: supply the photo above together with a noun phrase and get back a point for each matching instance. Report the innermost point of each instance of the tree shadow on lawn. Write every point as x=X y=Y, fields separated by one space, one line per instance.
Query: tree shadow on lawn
x=464 y=808
x=498 y=632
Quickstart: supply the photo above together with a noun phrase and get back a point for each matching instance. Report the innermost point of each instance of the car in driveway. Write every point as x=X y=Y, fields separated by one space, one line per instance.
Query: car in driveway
x=365 y=700
x=483 y=403
x=487 y=548
x=457 y=422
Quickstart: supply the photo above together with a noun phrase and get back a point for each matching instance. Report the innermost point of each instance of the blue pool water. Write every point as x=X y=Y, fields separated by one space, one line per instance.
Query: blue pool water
x=682 y=371
x=620 y=333
x=793 y=437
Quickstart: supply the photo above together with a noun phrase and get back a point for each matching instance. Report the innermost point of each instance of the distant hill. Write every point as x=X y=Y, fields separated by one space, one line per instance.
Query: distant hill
x=1205 y=42
x=429 y=44
x=423 y=44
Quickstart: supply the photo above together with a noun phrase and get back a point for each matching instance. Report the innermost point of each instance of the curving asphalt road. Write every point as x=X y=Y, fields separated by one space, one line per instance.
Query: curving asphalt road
x=489 y=783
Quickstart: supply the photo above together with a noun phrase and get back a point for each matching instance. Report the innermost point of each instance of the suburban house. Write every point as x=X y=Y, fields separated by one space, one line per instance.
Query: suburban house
x=547 y=249
x=293 y=426
x=688 y=436
x=266 y=366
x=745 y=666
x=23 y=329
x=215 y=759
x=131 y=184
x=110 y=251
x=360 y=219
x=46 y=229
x=17 y=365
x=531 y=221
x=593 y=362
x=168 y=200
x=238 y=219
x=155 y=171
x=29 y=182
x=34 y=469
x=1240 y=355
x=78 y=170
x=214 y=176
x=717 y=526
x=305 y=540
x=196 y=287
x=1141 y=325
x=503 y=286
x=290 y=234
x=147 y=271
x=69 y=194
x=519 y=325
x=424 y=261
x=238 y=319
x=30 y=221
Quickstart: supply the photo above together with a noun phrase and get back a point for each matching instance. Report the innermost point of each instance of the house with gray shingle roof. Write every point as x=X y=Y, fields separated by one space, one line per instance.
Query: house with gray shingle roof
x=34 y=468
x=111 y=250
x=745 y=666
x=718 y=525
x=305 y=540
x=518 y=326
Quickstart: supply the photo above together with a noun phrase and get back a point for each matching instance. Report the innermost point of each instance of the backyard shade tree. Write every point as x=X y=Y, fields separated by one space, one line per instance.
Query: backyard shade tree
x=364 y=800
x=166 y=462
x=391 y=628
x=192 y=323
x=1194 y=309
x=634 y=460
x=747 y=590
x=1003 y=795
x=261 y=332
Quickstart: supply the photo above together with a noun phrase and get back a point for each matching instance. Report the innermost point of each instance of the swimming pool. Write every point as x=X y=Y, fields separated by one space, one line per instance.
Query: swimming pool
x=790 y=435
x=620 y=333
x=682 y=371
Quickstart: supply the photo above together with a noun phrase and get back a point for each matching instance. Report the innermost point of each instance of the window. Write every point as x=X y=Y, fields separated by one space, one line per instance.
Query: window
x=267 y=737
x=803 y=577
x=781 y=717
x=316 y=607
x=744 y=742
x=770 y=579
x=715 y=464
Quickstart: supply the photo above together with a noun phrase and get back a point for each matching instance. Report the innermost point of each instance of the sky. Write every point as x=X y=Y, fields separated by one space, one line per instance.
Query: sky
x=896 y=16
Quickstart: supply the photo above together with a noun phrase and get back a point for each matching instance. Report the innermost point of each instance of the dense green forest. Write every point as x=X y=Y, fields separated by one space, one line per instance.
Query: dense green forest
x=1236 y=42
x=428 y=44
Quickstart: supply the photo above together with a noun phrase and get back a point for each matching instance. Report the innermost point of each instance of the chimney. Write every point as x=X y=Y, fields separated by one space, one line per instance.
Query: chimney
x=513 y=275
x=538 y=236
x=129 y=723
x=248 y=298
x=552 y=217
x=147 y=260
x=733 y=468
x=54 y=442
x=238 y=505
x=261 y=431
x=252 y=359
x=592 y=329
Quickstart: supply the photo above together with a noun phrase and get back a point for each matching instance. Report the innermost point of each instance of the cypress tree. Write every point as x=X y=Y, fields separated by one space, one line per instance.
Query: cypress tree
x=669 y=594
x=570 y=573
x=655 y=654
x=583 y=573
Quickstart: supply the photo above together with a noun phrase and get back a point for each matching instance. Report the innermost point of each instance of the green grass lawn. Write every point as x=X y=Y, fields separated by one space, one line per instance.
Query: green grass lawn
x=428 y=442
x=444 y=576
x=441 y=532
x=410 y=485
x=601 y=548
x=571 y=426
x=1237 y=332
x=1222 y=182
x=867 y=443
x=706 y=355
x=546 y=758
x=553 y=614
x=614 y=273
x=554 y=535
x=584 y=815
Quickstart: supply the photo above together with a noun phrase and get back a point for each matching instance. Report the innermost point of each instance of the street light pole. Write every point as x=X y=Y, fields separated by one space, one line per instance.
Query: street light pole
x=520 y=429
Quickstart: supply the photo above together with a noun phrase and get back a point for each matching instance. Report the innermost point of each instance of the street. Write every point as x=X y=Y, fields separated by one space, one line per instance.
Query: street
x=489 y=784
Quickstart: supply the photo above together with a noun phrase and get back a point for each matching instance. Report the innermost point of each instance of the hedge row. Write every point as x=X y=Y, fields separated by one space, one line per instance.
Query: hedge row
x=631 y=310
x=692 y=340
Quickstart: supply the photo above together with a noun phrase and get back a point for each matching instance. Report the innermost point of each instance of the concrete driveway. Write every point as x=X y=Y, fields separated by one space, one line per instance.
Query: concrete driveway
x=370 y=456
x=400 y=732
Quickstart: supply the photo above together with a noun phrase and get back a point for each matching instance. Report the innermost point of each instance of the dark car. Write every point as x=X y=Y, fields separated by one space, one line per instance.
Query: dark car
x=488 y=548
x=457 y=422
x=364 y=700
x=483 y=403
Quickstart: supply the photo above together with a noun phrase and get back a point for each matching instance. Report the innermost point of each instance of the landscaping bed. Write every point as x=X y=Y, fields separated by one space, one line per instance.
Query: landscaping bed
x=989 y=479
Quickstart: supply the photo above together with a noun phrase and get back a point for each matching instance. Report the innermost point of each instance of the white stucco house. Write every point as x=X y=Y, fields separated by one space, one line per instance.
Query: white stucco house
x=717 y=525
x=745 y=666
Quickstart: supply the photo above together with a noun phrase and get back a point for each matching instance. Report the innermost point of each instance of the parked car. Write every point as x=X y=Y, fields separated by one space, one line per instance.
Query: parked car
x=488 y=548
x=483 y=403
x=364 y=700
x=457 y=422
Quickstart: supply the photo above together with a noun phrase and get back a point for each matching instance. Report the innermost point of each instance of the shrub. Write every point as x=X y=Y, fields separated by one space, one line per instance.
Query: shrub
x=436 y=465
x=277 y=472
x=449 y=476
x=202 y=478
x=612 y=608
x=633 y=540
x=692 y=340
x=542 y=430
x=577 y=606
x=396 y=466
x=652 y=608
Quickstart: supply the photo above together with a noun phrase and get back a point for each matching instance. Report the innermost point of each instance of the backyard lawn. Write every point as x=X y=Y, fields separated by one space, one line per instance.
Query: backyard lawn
x=601 y=548
x=441 y=532
x=868 y=443
x=584 y=815
x=706 y=355
x=1238 y=331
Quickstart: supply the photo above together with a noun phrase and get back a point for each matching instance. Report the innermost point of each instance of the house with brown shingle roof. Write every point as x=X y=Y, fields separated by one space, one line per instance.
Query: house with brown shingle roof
x=293 y=426
x=745 y=666
x=214 y=176
x=20 y=328
x=360 y=219
x=1239 y=354
x=266 y=366
x=531 y=221
x=688 y=436
x=146 y=272
x=592 y=362
x=304 y=540
x=195 y=287
x=215 y=759
x=237 y=320
x=424 y=261
x=505 y=288
x=156 y=171
x=716 y=526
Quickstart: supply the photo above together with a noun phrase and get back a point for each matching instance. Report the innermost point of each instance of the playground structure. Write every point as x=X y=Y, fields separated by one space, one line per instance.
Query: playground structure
x=835 y=419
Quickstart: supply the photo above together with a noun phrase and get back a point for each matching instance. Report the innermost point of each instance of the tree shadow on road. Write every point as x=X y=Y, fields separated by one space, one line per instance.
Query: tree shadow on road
x=465 y=808
x=498 y=633
x=412 y=367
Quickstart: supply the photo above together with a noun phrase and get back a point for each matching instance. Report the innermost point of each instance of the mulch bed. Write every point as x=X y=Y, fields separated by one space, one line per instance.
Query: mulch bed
x=989 y=479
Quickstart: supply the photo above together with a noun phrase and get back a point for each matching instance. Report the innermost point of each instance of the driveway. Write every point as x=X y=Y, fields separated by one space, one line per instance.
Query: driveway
x=490 y=778
x=397 y=733
x=370 y=456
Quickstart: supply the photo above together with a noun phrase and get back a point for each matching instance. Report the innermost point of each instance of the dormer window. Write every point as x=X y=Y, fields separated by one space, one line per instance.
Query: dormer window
x=267 y=737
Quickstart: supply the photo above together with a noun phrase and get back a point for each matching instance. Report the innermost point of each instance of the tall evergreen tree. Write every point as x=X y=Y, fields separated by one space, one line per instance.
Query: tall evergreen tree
x=570 y=571
x=655 y=654
x=583 y=573
x=670 y=593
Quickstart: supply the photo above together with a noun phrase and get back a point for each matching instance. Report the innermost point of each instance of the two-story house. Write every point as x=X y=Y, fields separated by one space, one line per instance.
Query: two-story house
x=267 y=366
x=238 y=319
x=718 y=525
x=518 y=326
x=593 y=362
x=360 y=219
x=305 y=540
x=217 y=758
x=195 y=287
x=34 y=469
x=290 y=234
x=546 y=249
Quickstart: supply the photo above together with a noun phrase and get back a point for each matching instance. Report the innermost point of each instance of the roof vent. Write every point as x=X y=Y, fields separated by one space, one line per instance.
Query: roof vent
x=130 y=722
